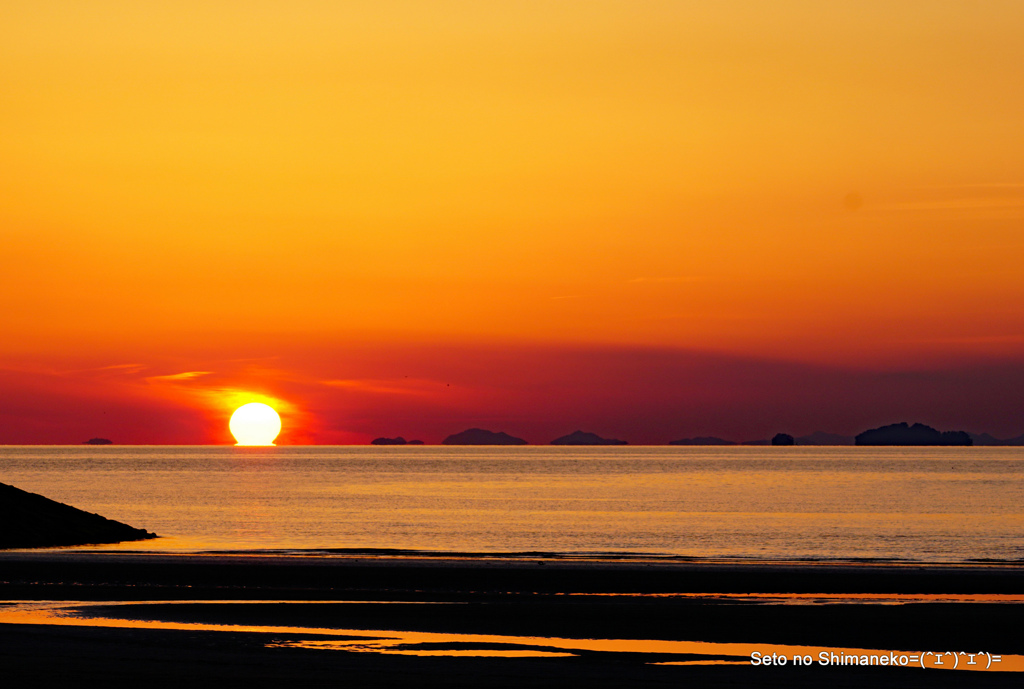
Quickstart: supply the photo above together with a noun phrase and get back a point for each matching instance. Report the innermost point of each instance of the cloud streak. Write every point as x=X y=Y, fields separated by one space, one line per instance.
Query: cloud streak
x=645 y=395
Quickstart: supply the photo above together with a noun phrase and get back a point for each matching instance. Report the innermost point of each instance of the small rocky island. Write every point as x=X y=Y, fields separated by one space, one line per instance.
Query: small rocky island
x=395 y=441
x=28 y=520
x=478 y=436
x=918 y=434
x=783 y=439
x=98 y=441
x=583 y=438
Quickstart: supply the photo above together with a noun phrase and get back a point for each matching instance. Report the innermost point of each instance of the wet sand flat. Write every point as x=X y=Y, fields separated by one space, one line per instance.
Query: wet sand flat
x=522 y=603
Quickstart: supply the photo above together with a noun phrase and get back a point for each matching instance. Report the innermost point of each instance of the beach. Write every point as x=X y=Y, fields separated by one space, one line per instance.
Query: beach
x=502 y=567
x=320 y=619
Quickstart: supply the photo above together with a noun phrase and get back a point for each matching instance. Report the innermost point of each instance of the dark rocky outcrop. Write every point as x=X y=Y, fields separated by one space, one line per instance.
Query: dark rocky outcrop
x=702 y=440
x=583 y=438
x=783 y=439
x=478 y=436
x=822 y=438
x=918 y=434
x=28 y=520
x=415 y=442
x=98 y=441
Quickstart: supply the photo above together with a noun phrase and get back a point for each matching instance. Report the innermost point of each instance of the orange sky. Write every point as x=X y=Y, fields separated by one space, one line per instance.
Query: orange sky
x=186 y=185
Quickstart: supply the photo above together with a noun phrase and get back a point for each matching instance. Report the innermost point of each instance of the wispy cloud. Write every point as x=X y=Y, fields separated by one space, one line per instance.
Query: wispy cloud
x=979 y=185
x=1011 y=339
x=974 y=203
x=402 y=386
x=986 y=196
x=667 y=279
x=122 y=369
x=132 y=368
x=177 y=377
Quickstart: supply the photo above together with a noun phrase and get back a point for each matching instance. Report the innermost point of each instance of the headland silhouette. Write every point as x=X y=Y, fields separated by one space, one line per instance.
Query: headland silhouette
x=28 y=520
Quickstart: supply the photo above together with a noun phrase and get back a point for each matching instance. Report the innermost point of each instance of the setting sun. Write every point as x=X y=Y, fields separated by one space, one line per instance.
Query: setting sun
x=255 y=424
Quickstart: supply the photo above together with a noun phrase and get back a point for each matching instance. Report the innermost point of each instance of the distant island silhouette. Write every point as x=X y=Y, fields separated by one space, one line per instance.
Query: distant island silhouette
x=703 y=440
x=984 y=439
x=822 y=438
x=918 y=434
x=395 y=441
x=894 y=434
x=478 y=436
x=98 y=441
x=583 y=438
x=28 y=520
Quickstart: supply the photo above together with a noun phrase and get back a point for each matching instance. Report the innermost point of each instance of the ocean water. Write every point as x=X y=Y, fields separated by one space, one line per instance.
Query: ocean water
x=916 y=504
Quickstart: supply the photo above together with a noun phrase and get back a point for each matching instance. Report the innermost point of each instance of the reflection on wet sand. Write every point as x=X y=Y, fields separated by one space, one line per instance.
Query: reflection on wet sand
x=397 y=646
x=420 y=643
x=822 y=598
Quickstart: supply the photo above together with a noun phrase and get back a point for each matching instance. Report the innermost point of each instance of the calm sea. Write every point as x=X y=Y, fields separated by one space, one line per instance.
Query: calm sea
x=926 y=504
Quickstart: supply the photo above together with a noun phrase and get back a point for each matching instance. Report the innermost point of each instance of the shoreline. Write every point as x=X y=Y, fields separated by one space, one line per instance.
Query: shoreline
x=562 y=556
x=409 y=554
x=644 y=574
